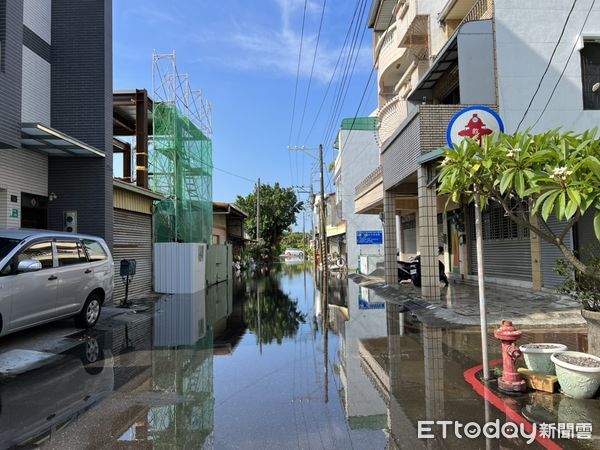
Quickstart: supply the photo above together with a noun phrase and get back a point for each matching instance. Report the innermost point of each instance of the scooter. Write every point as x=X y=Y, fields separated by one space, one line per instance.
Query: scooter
x=411 y=270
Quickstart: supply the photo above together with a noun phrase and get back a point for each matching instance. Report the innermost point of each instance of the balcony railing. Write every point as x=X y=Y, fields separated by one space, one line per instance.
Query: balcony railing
x=370 y=180
x=390 y=117
x=482 y=10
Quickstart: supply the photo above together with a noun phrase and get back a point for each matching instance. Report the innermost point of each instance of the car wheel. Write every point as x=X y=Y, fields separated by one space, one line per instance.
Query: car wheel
x=90 y=313
x=92 y=357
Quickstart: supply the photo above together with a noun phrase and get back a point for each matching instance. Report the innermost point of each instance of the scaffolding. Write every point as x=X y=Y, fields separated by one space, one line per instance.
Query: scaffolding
x=180 y=163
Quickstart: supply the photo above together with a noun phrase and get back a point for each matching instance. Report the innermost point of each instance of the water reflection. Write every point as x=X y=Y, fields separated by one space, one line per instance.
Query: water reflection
x=262 y=362
x=270 y=313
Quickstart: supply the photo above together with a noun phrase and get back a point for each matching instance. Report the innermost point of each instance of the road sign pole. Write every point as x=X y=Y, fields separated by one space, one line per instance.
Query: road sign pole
x=474 y=122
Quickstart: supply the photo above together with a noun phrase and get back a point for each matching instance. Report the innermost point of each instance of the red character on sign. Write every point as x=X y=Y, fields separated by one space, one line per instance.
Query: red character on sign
x=475 y=129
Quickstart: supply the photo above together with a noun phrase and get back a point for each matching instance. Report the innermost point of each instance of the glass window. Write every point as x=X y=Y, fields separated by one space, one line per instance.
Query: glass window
x=94 y=250
x=6 y=246
x=40 y=251
x=70 y=253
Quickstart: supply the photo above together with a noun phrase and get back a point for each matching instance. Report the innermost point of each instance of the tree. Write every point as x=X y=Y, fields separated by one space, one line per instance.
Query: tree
x=295 y=239
x=278 y=209
x=279 y=315
x=531 y=176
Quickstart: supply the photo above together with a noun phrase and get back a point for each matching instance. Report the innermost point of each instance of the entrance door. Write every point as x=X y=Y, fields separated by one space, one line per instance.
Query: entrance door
x=34 y=211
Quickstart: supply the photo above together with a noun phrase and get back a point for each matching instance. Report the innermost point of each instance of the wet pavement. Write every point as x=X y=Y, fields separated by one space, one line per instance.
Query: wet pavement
x=260 y=363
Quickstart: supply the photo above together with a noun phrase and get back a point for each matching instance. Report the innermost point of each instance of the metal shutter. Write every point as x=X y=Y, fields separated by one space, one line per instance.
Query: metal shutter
x=504 y=257
x=550 y=253
x=133 y=240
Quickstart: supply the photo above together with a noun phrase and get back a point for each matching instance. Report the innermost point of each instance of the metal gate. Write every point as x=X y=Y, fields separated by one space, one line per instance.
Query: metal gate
x=506 y=246
x=133 y=240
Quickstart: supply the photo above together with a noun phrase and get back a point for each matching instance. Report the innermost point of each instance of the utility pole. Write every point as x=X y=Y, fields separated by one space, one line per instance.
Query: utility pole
x=323 y=236
x=322 y=212
x=258 y=211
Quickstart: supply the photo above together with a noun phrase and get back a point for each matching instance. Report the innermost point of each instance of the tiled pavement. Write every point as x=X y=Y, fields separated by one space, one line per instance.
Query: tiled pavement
x=459 y=304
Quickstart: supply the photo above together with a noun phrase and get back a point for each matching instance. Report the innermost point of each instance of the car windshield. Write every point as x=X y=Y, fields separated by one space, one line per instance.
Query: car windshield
x=6 y=245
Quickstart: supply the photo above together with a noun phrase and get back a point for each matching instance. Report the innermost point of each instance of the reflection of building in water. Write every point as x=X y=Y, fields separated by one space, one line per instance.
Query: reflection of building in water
x=182 y=368
x=363 y=405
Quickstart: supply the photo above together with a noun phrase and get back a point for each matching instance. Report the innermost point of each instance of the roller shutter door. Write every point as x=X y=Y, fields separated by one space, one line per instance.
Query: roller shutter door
x=551 y=253
x=133 y=240
x=506 y=247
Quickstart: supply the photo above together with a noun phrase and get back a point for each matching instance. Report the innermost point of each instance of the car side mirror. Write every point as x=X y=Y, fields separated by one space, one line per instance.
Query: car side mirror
x=29 y=265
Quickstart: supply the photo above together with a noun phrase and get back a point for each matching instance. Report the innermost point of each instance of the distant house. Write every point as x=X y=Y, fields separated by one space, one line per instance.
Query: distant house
x=228 y=225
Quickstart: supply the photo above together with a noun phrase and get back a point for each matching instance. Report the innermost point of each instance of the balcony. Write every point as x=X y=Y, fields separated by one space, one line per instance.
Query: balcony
x=368 y=194
x=390 y=116
x=389 y=58
x=462 y=11
x=413 y=28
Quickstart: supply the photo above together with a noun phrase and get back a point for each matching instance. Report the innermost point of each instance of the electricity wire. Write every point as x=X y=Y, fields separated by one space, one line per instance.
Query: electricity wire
x=566 y=64
x=312 y=69
x=537 y=89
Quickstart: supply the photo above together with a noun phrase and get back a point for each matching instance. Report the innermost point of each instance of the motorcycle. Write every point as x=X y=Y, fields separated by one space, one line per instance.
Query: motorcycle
x=411 y=270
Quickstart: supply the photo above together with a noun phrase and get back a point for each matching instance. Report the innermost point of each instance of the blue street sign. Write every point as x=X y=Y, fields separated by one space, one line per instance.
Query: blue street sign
x=369 y=237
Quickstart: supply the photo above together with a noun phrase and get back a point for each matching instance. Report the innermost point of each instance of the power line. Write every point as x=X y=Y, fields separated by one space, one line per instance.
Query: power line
x=297 y=73
x=312 y=69
x=562 y=32
x=347 y=77
x=566 y=64
x=334 y=72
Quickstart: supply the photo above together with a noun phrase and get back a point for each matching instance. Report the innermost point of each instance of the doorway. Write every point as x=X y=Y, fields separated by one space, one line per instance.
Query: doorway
x=34 y=211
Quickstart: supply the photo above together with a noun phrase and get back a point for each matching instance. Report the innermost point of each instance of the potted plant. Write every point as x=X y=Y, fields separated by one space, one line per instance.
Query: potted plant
x=586 y=291
x=578 y=373
x=537 y=356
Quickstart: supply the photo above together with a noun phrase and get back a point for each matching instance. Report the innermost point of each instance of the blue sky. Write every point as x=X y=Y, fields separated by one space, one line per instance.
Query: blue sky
x=243 y=55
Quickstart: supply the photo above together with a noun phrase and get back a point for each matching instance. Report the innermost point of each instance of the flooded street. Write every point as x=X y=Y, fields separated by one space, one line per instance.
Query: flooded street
x=247 y=365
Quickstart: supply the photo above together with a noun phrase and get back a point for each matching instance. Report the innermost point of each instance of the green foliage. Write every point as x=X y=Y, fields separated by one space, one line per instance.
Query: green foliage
x=582 y=288
x=278 y=209
x=531 y=176
x=294 y=239
x=279 y=315
x=551 y=172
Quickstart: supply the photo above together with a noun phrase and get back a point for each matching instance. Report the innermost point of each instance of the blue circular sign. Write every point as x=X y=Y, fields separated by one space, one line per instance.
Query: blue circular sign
x=473 y=122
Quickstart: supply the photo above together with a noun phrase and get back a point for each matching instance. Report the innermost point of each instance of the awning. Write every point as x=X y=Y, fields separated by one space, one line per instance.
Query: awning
x=44 y=139
x=447 y=57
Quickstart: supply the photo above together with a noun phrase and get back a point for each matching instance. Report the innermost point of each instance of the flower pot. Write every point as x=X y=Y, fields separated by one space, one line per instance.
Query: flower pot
x=593 y=320
x=577 y=380
x=537 y=356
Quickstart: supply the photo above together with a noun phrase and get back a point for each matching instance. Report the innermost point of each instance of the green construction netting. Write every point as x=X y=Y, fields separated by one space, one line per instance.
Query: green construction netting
x=181 y=170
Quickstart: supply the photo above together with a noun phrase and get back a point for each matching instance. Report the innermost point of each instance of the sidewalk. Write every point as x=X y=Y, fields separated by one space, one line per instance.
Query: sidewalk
x=459 y=304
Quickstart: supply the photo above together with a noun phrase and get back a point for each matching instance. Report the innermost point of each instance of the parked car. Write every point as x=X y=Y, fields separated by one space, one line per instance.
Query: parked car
x=49 y=275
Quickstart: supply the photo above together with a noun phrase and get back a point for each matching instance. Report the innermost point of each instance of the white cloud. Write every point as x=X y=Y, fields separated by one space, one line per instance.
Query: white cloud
x=275 y=48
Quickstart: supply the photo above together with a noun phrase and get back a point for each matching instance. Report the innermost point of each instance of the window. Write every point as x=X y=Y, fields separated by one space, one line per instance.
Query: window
x=94 y=250
x=40 y=251
x=70 y=253
x=7 y=245
x=590 y=75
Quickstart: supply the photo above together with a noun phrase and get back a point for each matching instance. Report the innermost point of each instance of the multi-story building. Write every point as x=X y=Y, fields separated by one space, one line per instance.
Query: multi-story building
x=533 y=62
x=56 y=115
x=358 y=154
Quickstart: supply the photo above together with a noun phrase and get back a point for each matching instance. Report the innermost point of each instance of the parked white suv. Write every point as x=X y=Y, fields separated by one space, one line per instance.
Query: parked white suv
x=49 y=275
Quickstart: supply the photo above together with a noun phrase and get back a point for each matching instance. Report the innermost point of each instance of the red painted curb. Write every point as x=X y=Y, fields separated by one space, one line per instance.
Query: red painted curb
x=488 y=395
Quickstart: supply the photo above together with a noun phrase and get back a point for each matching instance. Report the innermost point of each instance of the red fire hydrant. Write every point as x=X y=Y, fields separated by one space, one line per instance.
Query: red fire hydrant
x=511 y=380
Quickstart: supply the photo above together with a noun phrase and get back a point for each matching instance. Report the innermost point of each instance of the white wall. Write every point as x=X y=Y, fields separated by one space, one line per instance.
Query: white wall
x=37 y=17
x=360 y=156
x=20 y=171
x=35 y=97
x=526 y=33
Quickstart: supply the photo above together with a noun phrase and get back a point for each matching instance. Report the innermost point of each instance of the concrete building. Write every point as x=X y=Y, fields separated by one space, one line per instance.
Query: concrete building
x=56 y=115
x=358 y=154
x=437 y=57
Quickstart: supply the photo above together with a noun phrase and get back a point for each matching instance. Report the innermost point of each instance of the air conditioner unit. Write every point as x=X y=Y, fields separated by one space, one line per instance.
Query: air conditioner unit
x=70 y=222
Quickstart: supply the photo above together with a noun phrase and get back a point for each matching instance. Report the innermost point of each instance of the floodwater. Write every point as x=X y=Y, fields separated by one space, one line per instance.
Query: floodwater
x=259 y=363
